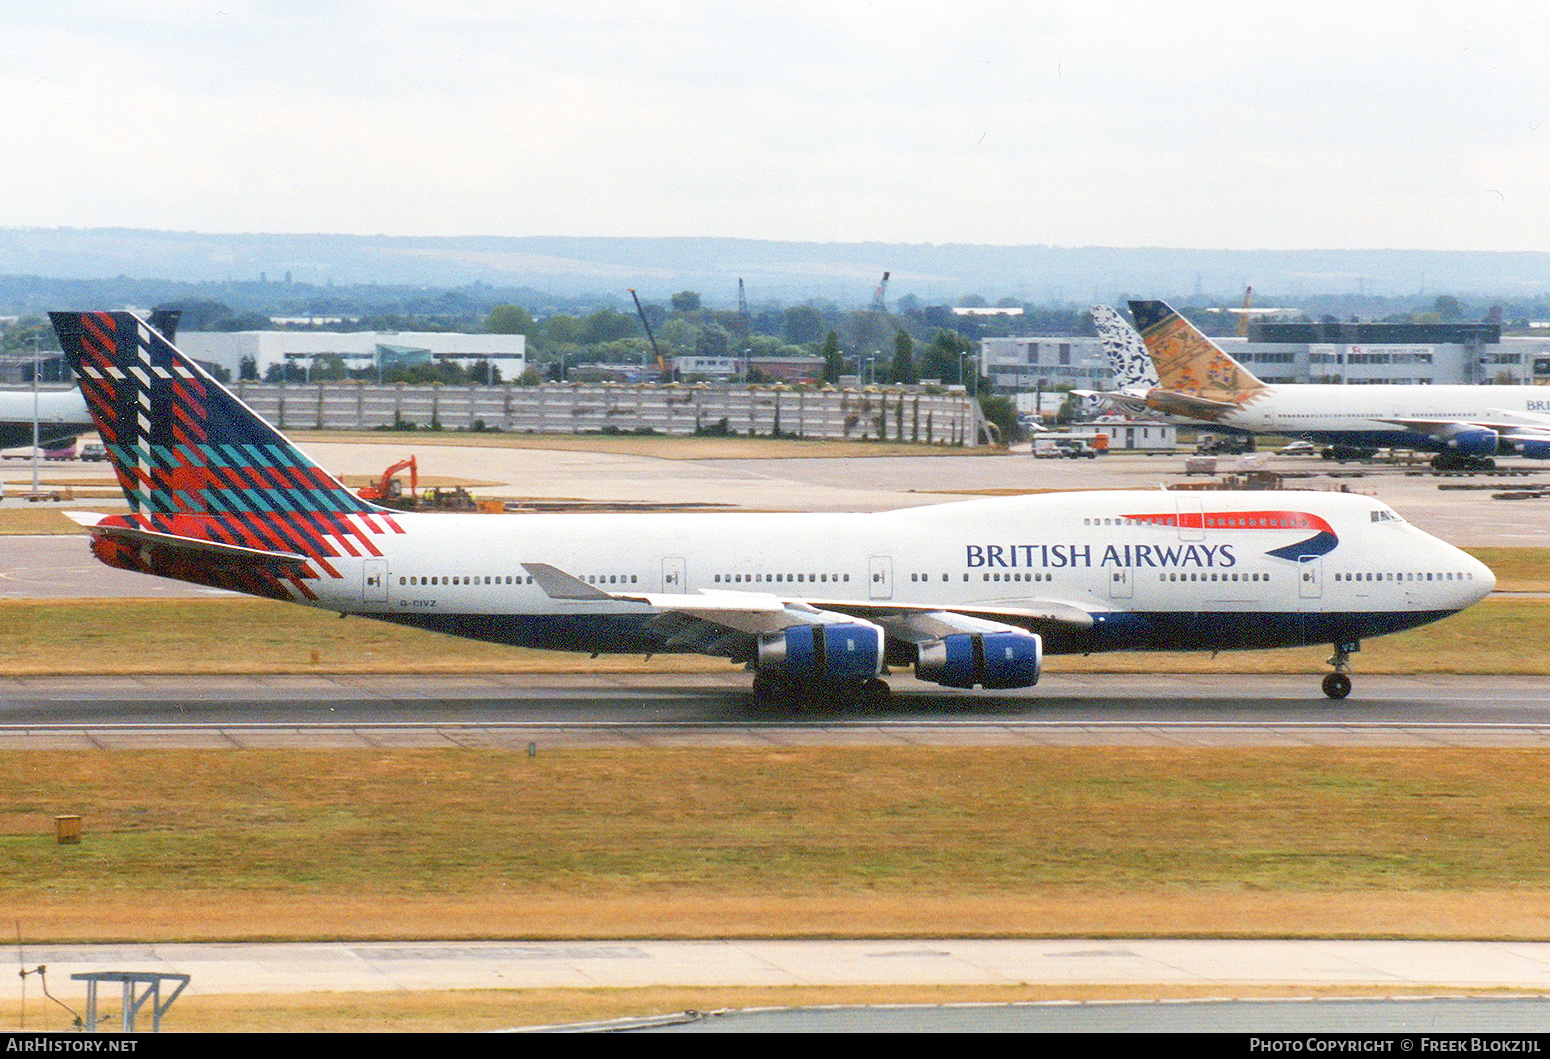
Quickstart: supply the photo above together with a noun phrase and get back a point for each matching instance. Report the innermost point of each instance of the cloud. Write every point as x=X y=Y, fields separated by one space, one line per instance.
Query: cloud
x=1118 y=123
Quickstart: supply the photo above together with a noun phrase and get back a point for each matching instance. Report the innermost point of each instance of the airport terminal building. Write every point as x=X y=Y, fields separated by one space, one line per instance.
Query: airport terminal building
x=1418 y=354
x=1022 y=364
x=1328 y=352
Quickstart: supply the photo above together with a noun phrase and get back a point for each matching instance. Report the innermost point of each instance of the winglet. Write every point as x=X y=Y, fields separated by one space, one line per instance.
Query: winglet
x=557 y=584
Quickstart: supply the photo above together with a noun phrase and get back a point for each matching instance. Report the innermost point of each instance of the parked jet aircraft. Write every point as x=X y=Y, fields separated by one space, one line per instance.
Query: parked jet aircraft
x=62 y=414
x=971 y=594
x=1464 y=425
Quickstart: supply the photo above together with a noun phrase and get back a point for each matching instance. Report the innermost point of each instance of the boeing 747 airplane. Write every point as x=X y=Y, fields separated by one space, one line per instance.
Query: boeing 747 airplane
x=1465 y=425
x=817 y=605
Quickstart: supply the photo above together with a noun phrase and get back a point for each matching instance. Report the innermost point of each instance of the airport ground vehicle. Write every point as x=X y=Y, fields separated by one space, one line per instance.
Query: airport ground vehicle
x=93 y=452
x=1223 y=444
x=1067 y=446
x=971 y=594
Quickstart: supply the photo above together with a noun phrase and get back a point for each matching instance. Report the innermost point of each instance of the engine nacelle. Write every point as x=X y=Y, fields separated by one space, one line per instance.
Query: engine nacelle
x=843 y=651
x=994 y=660
x=1533 y=448
x=1478 y=442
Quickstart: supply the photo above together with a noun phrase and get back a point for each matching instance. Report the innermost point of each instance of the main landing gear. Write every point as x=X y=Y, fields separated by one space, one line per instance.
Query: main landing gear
x=873 y=694
x=1457 y=461
x=1337 y=685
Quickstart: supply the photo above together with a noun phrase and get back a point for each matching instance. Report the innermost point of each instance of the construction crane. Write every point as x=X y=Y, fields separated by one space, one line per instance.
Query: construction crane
x=662 y=369
x=880 y=297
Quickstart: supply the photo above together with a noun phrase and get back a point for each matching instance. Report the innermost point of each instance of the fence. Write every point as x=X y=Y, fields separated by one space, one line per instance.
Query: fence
x=769 y=411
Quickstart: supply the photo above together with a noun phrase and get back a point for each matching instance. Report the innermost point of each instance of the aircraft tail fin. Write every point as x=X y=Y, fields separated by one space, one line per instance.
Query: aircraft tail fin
x=1187 y=361
x=179 y=442
x=1128 y=359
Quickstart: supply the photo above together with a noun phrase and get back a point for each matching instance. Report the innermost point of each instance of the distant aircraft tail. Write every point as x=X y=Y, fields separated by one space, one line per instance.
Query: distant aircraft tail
x=1128 y=359
x=1187 y=361
x=216 y=495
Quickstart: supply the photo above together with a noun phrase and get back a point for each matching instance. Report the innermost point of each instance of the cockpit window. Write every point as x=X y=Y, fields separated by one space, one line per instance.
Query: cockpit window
x=1383 y=514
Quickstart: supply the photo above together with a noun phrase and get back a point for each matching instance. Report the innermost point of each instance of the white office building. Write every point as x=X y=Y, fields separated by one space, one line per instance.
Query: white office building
x=1025 y=363
x=358 y=349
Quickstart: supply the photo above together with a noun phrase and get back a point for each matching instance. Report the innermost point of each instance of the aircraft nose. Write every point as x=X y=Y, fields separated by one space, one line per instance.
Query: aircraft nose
x=1484 y=581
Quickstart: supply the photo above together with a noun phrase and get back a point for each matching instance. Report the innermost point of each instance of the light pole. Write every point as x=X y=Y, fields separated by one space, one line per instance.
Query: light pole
x=37 y=367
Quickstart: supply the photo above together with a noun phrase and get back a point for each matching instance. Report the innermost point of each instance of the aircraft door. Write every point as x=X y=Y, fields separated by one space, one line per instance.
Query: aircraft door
x=374 y=578
x=673 y=575
x=1310 y=580
x=1192 y=518
x=1121 y=586
x=880 y=568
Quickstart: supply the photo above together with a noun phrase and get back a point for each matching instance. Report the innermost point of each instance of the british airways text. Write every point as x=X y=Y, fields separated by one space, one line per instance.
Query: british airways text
x=1057 y=556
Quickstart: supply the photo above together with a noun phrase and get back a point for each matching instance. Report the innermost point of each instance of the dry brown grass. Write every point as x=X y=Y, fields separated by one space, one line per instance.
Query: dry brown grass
x=37 y=520
x=1517 y=569
x=845 y=842
x=42 y=637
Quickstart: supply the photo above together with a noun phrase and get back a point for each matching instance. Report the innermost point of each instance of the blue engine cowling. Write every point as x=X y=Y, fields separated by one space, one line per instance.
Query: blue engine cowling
x=994 y=660
x=1474 y=442
x=844 y=651
x=1533 y=448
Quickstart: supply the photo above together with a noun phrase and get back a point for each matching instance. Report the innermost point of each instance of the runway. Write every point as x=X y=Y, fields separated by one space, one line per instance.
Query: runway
x=643 y=711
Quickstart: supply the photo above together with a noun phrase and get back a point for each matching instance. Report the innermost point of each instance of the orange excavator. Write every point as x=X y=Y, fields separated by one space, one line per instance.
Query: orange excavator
x=390 y=489
x=389 y=492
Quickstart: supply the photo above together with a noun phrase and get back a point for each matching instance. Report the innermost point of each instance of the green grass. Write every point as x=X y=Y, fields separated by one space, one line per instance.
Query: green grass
x=704 y=842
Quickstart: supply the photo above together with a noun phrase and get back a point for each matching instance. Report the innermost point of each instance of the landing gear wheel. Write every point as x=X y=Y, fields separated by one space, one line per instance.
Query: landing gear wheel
x=875 y=694
x=1337 y=685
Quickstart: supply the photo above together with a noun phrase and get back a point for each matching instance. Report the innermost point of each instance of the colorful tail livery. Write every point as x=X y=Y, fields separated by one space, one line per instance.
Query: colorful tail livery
x=1128 y=359
x=1188 y=362
x=216 y=495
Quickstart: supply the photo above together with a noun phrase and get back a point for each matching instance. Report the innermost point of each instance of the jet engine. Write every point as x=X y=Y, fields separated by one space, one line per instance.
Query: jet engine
x=1533 y=448
x=994 y=660
x=1473 y=442
x=840 y=652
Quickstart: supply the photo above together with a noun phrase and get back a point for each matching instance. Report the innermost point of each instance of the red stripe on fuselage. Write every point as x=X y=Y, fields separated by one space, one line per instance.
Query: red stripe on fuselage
x=1237 y=520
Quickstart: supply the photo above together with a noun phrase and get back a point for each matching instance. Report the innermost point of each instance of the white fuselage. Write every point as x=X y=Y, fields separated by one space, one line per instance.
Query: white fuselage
x=1176 y=554
x=1331 y=410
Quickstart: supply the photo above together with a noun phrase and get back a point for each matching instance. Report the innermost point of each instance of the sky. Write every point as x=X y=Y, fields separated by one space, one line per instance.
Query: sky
x=1268 y=125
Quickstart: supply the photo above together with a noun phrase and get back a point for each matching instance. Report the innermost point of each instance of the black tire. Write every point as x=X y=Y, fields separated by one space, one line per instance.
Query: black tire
x=1337 y=685
x=876 y=694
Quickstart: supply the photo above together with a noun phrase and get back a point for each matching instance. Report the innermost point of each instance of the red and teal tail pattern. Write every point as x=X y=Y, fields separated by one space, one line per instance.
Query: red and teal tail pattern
x=197 y=464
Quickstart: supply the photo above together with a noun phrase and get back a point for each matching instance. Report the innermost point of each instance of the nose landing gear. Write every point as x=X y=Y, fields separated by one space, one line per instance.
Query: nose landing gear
x=1337 y=685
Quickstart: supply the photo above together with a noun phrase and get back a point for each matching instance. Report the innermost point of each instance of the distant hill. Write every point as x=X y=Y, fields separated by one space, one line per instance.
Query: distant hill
x=846 y=273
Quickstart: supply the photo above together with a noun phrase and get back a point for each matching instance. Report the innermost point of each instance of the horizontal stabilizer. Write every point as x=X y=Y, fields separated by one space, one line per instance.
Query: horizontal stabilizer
x=203 y=548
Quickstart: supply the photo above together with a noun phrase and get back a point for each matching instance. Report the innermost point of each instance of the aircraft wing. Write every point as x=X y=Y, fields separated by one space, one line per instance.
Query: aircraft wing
x=1496 y=419
x=759 y=613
